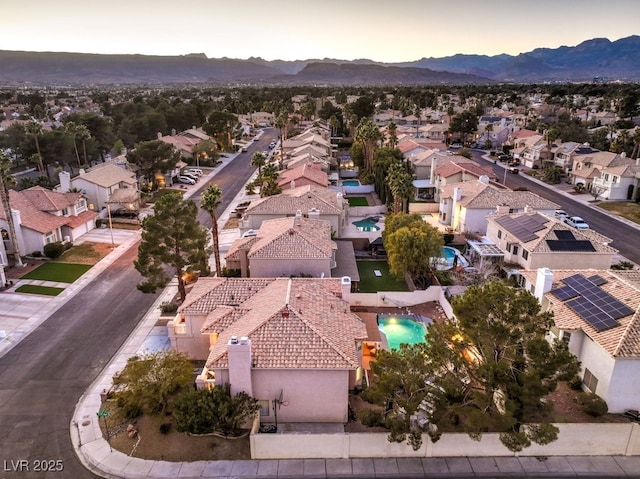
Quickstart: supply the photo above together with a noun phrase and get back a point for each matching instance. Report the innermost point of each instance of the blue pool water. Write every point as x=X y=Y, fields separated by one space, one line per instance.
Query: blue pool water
x=447 y=257
x=350 y=183
x=401 y=329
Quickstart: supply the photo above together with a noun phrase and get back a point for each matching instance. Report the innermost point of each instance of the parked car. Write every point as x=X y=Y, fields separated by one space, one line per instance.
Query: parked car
x=186 y=180
x=197 y=171
x=504 y=157
x=577 y=222
x=272 y=145
x=193 y=176
x=513 y=170
x=561 y=215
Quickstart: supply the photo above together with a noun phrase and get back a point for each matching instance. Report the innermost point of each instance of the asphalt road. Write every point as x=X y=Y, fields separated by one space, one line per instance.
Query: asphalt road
x=42 y=378
x=625 y=237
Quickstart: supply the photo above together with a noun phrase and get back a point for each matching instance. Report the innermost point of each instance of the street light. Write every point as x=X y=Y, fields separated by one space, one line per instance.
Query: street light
x=113 y=245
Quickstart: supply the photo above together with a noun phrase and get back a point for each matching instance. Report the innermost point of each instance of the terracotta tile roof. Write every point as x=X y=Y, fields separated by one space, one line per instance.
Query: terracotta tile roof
x=47 y=200
x=513 y=222
x=108 y=175
x=31 y=217
x=82 y=218
x=452 y=168
x=621 y=341
x=292 y=323
x=289 y=238
x=311 y=172
x=302 y=198
x=476 y=194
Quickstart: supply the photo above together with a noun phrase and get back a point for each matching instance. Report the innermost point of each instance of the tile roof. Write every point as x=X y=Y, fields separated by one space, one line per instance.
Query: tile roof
x=476 y=194
x=309 y=171
x=621 y=341
x=51 y=201
x=108 y=176
x=291 y=238
x=301 y=198
x=293 y=323
x=535 y=238
x=452 y=168
x=30 y=216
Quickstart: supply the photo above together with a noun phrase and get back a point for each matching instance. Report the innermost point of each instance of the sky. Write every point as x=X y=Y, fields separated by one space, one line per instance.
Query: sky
x=379 y=30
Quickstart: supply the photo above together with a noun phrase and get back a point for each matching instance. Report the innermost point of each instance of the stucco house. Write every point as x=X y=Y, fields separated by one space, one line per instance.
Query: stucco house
x=465 y=206
x=285 y=247
x=589 y=166
x=618 y=182
x=291 y=343
x=597 y=313
x=458 y=172
x=533 y=240
x=327 y=203
x=530 y=150
x=307 y=174
x=185 y=141
x=100 y=182
x=42 y=216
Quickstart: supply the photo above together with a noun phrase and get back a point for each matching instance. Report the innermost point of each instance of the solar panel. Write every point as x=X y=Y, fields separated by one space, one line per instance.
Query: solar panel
x=592 y=303
x=564 y=293
x=564 y=235
x=570 y=245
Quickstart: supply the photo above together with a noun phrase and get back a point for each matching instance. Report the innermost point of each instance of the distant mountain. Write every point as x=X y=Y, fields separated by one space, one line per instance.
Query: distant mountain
x=599 y=57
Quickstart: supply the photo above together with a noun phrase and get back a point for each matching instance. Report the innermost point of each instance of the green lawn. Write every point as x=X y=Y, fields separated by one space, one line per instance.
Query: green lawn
x=34 y=289
x=626 y=209
x=357 y=201
x=59 y=272
x=370 y=283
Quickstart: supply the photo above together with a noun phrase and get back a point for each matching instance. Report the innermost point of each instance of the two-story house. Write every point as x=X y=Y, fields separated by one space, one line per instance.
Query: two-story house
x=620 y=182
x=466 y=206
x=42 y=216
x=329 y=205
x=533 y=240
x=588 y=166
x=307 y=174
x=597 y=313
x=292 y=343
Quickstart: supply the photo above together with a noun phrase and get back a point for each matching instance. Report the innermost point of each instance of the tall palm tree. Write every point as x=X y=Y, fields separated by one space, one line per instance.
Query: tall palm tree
x=211 y=199
x=401 y=186
x=5 y=180
x=35 y=130
x=71 y=129
x=258 y=160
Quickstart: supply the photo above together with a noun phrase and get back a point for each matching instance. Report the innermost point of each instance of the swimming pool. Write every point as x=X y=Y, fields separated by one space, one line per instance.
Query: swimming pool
x=450 y=257
x=351 y=183
x=367 y=224
x=402 y=328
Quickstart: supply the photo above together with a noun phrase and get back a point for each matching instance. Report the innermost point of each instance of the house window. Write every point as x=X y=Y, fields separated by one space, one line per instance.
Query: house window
x=590 y=381
x=499 y=233
x=566 y=337
x=81 y=205
x=50 y=237
x=606 y=177
x=264 y=407
x=614 y=179
x=65 y=212
x=515 y=250
x=525 y=254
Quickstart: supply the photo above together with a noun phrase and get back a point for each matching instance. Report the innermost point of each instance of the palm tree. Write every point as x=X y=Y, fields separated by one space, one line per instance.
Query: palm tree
x=368 y=134
x=71 y=129
x=83 y=134
x=401 y=186
x=34 y=129
x=5 y=180
x=211 y=199
x=258 y=160
x=392 y=129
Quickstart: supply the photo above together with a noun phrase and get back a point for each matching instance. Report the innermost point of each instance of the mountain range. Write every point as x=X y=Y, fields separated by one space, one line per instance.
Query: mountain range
x=598 y=58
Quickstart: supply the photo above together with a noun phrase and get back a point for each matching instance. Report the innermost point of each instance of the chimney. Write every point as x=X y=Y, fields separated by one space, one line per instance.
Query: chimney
x=293 y=184
x=345 y=282
x=173 y=132
x=502 y=209
x=298 y=213
x=239 y=354
x=544 y=280
x=314 y=213
x=159 y=135
x=243 y=251
x=484 y=179
x=340 y=200
x=65 y=181
x=528 y=209
x=457 y=193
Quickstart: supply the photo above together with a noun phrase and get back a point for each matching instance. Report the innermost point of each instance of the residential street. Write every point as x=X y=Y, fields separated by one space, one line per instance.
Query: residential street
x=42 y=377
x=624 y=236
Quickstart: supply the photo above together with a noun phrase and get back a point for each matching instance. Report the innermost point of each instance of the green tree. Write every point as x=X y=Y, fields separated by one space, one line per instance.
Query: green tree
x=214 y=410
x=258 y=161
x=269 y=181
x=150 y=381
x=153 y=157
x=211 y=199
x=367 y=135
x=465 y=123
x=7 y=180
x=553 y=175
x=173 y=238
x=401 y=185
x=35 y=131
x=411 y=243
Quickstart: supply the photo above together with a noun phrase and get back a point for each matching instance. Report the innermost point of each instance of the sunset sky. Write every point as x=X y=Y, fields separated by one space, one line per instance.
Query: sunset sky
x=300 y=29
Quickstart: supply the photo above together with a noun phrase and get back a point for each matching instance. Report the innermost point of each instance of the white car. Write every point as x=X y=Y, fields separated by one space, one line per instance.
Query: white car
x=561 y=215
x=186 y=180
x=188 y=174
x=577 y=222
x=195 y=171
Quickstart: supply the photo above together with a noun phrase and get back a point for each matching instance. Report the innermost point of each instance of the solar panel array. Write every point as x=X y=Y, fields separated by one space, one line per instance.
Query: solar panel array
x=524 y=227
x=571 y=245
x=593 y=304
x=564 y=235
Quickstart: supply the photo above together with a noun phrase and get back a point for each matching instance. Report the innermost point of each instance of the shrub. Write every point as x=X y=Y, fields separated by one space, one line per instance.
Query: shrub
x=168 y=307
x=53 y=250
x=99 y=222
x=592 y=404
x=448 y=238
x=371 y=417
x=165 y=427
x=575 y=383
x=68 y=245
x=37 y=254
